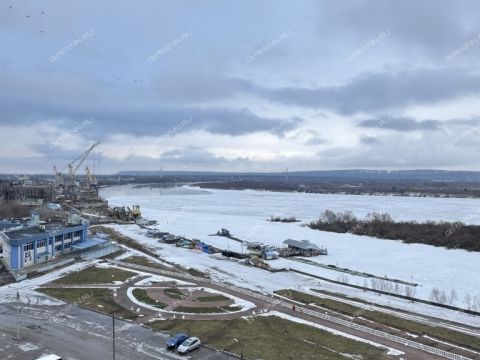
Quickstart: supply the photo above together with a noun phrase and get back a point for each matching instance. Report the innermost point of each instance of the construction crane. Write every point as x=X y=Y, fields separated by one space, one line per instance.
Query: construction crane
x=59 y=179
x=72 y=168
x=91 y=180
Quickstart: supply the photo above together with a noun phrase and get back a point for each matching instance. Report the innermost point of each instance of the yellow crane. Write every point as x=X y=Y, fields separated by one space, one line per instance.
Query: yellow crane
x=75 y=165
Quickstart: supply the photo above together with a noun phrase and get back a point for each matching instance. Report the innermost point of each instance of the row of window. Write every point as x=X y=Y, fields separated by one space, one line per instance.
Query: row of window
x=59 y=238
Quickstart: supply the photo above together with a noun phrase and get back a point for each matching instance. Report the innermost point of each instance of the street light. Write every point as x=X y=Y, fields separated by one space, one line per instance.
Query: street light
x=113 y=335
x=241 y=346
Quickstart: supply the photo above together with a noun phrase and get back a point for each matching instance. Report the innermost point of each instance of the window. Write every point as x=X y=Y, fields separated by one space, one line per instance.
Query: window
x=58 y=238
x=58 y=248
x=41 y=243
x=28 y=246
x=68 y=236
x=67 y=246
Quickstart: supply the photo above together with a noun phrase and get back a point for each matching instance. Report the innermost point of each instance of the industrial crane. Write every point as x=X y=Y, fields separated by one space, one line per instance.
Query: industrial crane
x=72 y=169
x=91 y=180
x=59 y=180
x=75 y=165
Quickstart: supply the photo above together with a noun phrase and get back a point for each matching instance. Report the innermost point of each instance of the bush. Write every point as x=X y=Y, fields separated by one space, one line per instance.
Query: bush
x=450 y=235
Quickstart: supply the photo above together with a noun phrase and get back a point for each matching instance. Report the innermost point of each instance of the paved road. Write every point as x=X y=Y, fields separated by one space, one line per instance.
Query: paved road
x=410 y=353
x=80 y=334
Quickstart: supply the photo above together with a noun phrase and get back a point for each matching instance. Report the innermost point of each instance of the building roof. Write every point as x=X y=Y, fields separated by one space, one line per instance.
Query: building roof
x=5 y=224
x=89 y=243
x=301 y=244
x=50 y=230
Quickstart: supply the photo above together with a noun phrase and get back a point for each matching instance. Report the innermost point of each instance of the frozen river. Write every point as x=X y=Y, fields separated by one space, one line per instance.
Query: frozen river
x=197 y=213
x=262 y=204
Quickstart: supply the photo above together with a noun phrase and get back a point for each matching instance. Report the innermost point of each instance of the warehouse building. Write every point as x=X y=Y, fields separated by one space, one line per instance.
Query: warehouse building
x=37 y=241
x=305 y=248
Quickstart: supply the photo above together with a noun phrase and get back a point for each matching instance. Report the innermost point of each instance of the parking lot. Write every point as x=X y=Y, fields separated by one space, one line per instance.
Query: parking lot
x=80 y=334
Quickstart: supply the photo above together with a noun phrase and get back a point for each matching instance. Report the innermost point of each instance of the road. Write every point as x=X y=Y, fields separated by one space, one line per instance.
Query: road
x=410 y=353
x=78 y=334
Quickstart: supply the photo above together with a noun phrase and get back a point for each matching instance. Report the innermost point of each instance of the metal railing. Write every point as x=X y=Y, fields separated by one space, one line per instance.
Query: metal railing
x=333 y=319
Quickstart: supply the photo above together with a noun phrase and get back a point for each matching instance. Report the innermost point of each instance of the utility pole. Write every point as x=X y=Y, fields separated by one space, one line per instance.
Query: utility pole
x=113 y=335
x=241 y=346
x=18 y=316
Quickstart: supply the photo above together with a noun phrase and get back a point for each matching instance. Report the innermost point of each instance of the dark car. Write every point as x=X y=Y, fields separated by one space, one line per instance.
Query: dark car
x=175 y=341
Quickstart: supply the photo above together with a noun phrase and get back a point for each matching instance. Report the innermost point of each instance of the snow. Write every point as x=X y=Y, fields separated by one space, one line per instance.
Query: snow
x=157 y=279
x=391 y=351
x=26 y=288
x=450 y=344
x=28 y=347
x=199 y=213
x=243 y=304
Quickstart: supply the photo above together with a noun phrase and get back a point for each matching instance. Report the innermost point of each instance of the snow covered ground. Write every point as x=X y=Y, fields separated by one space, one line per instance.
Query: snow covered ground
x=26 y=288
x=198 y=213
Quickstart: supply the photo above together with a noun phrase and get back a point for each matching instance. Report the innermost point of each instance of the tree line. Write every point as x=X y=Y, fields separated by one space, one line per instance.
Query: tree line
x=452 y=235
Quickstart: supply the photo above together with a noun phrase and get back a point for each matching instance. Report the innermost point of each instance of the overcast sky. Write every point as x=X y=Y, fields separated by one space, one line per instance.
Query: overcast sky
x=240 y=85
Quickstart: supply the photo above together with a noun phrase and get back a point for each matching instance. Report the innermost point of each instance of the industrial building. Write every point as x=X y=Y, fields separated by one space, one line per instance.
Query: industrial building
x=37 y=242
x=304 y=248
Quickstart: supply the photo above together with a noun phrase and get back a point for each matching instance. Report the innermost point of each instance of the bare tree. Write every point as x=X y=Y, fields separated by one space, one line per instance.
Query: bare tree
x=468 y=301
x=440 y=297
x=397 y=289
x=476 y=303
x=410 y=291
x=365 y=284
x=434 y=295
x=452 y=297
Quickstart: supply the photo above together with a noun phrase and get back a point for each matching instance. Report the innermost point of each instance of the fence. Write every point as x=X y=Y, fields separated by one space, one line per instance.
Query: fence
x=271 y=300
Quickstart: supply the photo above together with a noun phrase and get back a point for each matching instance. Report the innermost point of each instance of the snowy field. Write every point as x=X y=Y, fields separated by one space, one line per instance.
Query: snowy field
x=198 y=213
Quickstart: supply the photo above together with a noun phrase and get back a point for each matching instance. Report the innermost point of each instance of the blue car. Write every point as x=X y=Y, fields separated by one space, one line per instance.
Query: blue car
x=176 y=341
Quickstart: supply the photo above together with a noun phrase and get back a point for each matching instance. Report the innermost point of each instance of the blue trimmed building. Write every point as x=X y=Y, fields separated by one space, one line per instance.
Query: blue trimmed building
x=39 y=242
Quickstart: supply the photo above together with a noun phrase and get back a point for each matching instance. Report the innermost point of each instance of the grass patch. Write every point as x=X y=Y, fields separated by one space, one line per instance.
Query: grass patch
x=207 y=310
x=213 y=298
x=387 y=319
x=143 y=261
x=141 y=295
x=95 y=275
x=121 y=239
x=271 y=338
x=114 y=254
x=198 y=273
x=200 y=310
x=94 y=299
x=174 y=294
x=129 y=242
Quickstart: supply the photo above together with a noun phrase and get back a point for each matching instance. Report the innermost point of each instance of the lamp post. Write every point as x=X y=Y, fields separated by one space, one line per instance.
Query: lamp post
x=18 y=314
x=113 y=335
x=241 y=346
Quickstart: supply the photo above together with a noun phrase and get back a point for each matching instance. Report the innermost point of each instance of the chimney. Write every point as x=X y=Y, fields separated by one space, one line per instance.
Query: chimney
x=35 y=219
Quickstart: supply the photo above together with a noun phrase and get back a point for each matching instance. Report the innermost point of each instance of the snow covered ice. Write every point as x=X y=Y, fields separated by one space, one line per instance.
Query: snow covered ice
x=198 y=213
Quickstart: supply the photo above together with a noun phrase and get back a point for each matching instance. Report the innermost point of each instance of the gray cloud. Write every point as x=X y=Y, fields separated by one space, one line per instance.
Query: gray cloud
x=365 y=139
x=400 y=124
x=205 y=84
x=373 y=92
x=315 y=141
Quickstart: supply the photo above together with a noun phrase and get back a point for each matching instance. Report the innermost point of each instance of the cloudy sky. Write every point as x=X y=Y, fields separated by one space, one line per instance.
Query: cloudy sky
x=240 y=85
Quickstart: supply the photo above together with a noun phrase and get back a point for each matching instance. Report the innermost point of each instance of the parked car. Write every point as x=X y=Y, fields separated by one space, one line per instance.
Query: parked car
x=188 y=345
x=177 y=340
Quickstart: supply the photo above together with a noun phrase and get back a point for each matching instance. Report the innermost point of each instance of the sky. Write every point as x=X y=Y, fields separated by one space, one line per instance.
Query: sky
x=241 y=86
